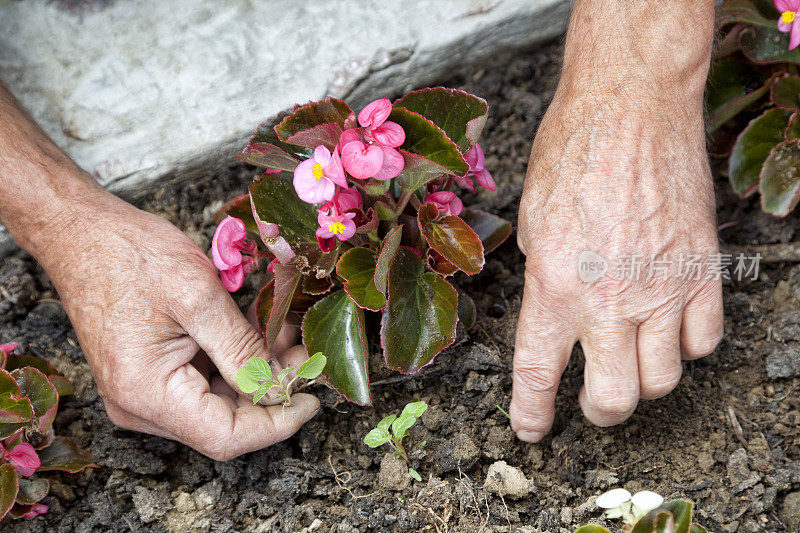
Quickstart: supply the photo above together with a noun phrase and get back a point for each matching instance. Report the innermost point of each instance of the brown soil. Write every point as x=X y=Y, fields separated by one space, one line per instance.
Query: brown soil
x=728 y=437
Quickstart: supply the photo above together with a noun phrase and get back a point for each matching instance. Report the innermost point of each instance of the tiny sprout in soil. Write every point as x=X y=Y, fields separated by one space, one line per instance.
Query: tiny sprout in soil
x=256 y=377
x=392 y=429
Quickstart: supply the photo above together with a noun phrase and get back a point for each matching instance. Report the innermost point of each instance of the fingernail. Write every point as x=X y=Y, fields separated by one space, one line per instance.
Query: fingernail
x=529 y=436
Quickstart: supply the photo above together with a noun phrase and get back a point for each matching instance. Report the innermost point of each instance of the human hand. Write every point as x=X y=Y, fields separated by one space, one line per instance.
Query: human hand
x=154 y=321
x=619 y=172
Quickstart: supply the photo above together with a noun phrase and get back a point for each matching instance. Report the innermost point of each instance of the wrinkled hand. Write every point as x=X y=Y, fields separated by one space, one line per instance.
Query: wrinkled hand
x=619 y=176
x=152 y=317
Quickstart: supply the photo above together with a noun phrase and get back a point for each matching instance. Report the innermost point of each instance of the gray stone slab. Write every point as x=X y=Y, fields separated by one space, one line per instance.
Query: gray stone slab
x=136 y=91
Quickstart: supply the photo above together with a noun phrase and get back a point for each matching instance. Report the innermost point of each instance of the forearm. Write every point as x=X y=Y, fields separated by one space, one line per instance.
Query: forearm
x=653 y=48
x=40 y=186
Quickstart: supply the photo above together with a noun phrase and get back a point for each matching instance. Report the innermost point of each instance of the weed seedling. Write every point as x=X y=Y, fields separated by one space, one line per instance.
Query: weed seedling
x=256 y=377
x=392 y=429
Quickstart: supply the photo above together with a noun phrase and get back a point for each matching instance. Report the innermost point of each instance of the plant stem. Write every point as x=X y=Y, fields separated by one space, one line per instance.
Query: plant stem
x=398 y=447
x=402 y=202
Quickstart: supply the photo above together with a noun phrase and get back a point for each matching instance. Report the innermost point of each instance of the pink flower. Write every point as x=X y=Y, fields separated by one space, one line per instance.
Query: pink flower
x=232 y=253
x=375 y=113
x=363 y=157
x=36 y=510
x=787 y=22
x=23 y=458
x=334 y=224
x=447 y=202
x=315 y=179
x=8 y=348
x=476 y=161
x=346 y=200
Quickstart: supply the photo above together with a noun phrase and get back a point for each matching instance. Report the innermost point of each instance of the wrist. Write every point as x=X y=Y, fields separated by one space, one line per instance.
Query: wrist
x=651 y=50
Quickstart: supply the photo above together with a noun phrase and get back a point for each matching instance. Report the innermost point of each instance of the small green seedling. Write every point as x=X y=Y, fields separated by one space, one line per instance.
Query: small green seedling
x=392 y=429
x=256 y=377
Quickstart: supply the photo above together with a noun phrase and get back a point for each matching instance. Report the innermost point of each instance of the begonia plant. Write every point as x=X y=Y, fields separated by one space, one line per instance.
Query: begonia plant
x=753 y=100
x=358 y=213
x=30 y=389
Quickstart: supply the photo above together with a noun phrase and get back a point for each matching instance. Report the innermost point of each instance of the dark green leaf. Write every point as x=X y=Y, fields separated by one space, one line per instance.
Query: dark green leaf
x=425 y=138
x=32 y=490
x=315 y=286
x=418 y=171
x=459 y=114
x=276 y=201
x=62 y=385
x=62 y=454
x=43 y=395
x=451 y=237
x=305 y=117
x=764 y=45
x=752 y=148
x=335 y=327
x=388 y=250
x=268 y=156
x=785 y=92
x=274 y=300
x=9 y=487
x=741 y=11
x=420 y=318
x=491 y=229
x=780 y=179
x=793 y=129
x=466 y=310
x=313 y=366
x=8 y=385
x=728 y=93
x=377 y=437
x=21 y=361
x=357 y=267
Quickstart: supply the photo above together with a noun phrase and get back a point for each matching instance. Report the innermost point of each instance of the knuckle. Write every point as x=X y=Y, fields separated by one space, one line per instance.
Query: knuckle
x=245 y=344
x=537 y=376
x=615 y=401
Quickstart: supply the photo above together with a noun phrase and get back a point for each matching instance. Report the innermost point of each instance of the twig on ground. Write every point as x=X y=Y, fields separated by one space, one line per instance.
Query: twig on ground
x=737 y=427
x=770 y=253
x=343 y=478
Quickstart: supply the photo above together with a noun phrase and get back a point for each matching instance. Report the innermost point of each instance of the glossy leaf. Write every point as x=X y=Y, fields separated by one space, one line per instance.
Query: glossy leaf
x=459 y=114
x=385 y=423
x=357 y=267
x=436 y=262
x=467 y=313
x=785 y=92
x=9 y=486
x=265 y=133
x=15 y=413
x=43 y=395
x=418 y=171
x=780 y=179
x=335 y=327
x=764 y=45
x=792 y=132
x=425 y=138
x=268 y=156
x=728 y=93
x=680 y=510
x=591 y=528
x=752 y=147
x=62 y=384
x=491 y=229
x=63 y=454
x=315 y=286
x=275 y=201
x=451 y=237
x=377 y=437
x=8 y=385
x=313 y=366
x=741 y=11
x=388 y=250
x=305 y=117
x=32 y=490
x=272 y=311
x=420 y=318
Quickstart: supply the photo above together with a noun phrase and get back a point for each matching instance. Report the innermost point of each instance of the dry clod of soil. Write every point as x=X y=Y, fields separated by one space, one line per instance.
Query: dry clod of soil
x=791 y=511
x=394 y=473
x=457 y=453
x=151 y=504
x=506 y=480
x=739 y=473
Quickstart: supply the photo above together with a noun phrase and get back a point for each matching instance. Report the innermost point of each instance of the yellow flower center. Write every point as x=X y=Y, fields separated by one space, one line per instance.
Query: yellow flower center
x=316 y=171
x=788 y=17
x=336 y=227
